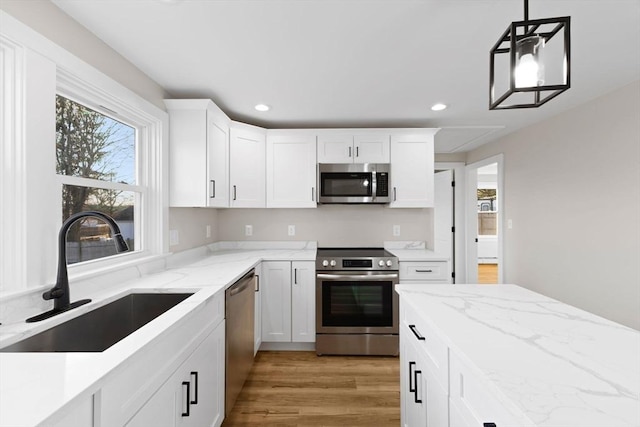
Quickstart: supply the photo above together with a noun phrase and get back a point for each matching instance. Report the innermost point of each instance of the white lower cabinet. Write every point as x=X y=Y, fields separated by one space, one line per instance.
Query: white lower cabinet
x=425 y=399
x=473 y=400
x=194 y=394
x=436 y=272
x=148 y=389
x=438 y=389
x=288 y=301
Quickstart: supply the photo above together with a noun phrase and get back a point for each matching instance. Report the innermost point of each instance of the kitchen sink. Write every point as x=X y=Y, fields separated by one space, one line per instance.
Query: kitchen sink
x=101 y=328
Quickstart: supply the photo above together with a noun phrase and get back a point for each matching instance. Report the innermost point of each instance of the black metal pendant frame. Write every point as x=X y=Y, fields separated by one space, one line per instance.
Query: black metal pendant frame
x=507 y=45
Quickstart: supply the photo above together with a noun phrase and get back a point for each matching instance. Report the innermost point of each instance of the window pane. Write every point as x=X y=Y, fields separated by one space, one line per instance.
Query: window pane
x=90 y=238
x=92 y=145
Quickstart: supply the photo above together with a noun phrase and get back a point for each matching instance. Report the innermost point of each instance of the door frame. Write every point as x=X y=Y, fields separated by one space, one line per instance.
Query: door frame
x=472 y=216
x=458 y=264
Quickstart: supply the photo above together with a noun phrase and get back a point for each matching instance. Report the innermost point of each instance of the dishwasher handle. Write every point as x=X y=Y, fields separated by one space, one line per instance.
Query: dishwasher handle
x=241 y=284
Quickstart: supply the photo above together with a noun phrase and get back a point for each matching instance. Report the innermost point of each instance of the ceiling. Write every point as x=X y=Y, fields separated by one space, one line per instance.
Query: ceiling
x=359 y=63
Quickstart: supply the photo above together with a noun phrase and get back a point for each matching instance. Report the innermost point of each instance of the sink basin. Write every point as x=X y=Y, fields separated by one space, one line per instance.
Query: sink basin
x=101 y=328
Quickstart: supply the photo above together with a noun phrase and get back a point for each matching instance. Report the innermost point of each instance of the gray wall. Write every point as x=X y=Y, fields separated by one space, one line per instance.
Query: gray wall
x=329 y=225
x=572 y=190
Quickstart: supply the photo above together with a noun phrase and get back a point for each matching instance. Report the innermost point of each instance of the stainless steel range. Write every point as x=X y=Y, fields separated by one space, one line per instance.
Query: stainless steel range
x=356 y=305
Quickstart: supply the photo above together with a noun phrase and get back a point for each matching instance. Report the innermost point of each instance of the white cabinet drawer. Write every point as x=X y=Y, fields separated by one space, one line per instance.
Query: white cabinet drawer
x=426 y=341
x=428 y=271
x=473 y=401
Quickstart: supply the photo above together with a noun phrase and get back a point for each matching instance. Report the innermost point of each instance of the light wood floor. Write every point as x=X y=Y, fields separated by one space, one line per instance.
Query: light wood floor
x=301 y=389
x=487 y=273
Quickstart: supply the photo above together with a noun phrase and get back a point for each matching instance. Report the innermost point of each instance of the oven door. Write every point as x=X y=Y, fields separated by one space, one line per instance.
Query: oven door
x=356 y=303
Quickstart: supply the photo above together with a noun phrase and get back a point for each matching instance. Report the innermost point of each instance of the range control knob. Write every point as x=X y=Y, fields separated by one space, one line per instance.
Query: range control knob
x=333 y=263
x=325 y=263
x=389 y=263
x=381 y=263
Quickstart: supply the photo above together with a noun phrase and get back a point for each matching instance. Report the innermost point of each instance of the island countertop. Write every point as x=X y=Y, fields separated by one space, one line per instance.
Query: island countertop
x=559 y=365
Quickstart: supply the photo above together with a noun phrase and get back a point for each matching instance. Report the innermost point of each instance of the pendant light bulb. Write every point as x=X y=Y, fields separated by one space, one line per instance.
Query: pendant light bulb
x=529 y=71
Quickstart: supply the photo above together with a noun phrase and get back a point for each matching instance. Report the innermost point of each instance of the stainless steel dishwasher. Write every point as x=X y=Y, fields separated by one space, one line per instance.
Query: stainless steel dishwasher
x=239 y=314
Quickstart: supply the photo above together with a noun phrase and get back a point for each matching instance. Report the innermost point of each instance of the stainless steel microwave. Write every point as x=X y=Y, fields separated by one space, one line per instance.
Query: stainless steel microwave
x=354 y=183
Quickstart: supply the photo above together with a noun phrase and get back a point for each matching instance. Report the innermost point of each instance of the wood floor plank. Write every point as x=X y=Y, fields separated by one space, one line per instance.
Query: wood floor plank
x=302 y=389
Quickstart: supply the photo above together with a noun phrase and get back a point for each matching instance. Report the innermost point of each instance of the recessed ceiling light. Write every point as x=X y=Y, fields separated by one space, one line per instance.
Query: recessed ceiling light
x=262 y=107
x=438 y=107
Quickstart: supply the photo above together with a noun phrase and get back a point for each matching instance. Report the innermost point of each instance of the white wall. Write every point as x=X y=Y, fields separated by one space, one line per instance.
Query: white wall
x=572 y=190
x=329 y=225
x=45 y=18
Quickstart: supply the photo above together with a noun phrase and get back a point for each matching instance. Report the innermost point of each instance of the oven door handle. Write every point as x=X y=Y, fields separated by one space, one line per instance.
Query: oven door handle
x=348 y=277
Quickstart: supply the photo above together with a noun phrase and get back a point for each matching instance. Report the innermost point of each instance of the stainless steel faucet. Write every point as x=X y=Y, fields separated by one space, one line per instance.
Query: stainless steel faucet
x=60 y=292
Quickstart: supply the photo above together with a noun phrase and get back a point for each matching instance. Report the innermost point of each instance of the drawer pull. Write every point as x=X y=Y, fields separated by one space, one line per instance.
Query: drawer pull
x=415 y=380
x=194 y=374
x=416 y=333
x=489 y=425
x=412 y=387
x=188 y=401
x=424 y=271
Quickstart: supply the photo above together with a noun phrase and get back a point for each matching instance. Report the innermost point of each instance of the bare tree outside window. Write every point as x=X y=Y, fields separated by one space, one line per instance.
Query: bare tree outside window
x=94 y=146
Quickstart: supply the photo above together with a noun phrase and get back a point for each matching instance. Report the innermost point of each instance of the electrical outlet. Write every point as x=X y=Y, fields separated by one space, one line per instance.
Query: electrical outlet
x=174 y=237
x=396 y=230
x=291 y=230
x=208 y=232
x=248 y=230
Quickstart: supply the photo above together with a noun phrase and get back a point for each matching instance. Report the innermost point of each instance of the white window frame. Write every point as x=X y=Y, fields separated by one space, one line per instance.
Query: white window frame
x=34 y=253
x=148 y=231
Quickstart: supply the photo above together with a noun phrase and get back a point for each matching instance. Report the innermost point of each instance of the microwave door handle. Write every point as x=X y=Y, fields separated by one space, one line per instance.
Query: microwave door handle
x=374 y=185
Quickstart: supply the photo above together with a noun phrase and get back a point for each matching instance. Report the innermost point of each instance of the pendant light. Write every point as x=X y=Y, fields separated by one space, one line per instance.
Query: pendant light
x=538 y=68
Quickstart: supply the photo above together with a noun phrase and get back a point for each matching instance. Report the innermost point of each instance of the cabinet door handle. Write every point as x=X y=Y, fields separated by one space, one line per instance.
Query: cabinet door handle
x=257 y=282
x=415 y=380
x=313 y=194
x=357 y=151
x=424 y=271
x=194 y=375
x=489 y=425
x=349 y=151
x=188 y=401
x=416 y=333
x=213 y=189
x=412 y=387
x=235 y=192
x=395 y=194
x=295 y=276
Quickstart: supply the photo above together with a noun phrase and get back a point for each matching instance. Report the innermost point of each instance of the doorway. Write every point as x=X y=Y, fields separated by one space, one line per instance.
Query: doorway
x=484 y=221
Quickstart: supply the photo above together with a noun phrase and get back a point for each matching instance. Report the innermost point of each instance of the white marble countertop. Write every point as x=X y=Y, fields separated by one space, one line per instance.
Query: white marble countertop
x=417 y=255
x=559 y=365
x=34 y=386
x=414 y=251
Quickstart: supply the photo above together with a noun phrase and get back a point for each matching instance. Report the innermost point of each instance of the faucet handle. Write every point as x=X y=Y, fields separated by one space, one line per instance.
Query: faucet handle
x=52 y=294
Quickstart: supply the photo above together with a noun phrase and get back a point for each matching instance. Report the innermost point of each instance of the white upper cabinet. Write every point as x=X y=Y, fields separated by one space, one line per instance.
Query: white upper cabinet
x=291 y=169
x=353 y=148
x=412 y=159
x=247 y=166
x=198 y=154
x=371 y=148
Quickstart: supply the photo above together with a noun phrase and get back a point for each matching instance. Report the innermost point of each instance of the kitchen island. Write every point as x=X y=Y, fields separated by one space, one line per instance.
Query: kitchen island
x=501 y=352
